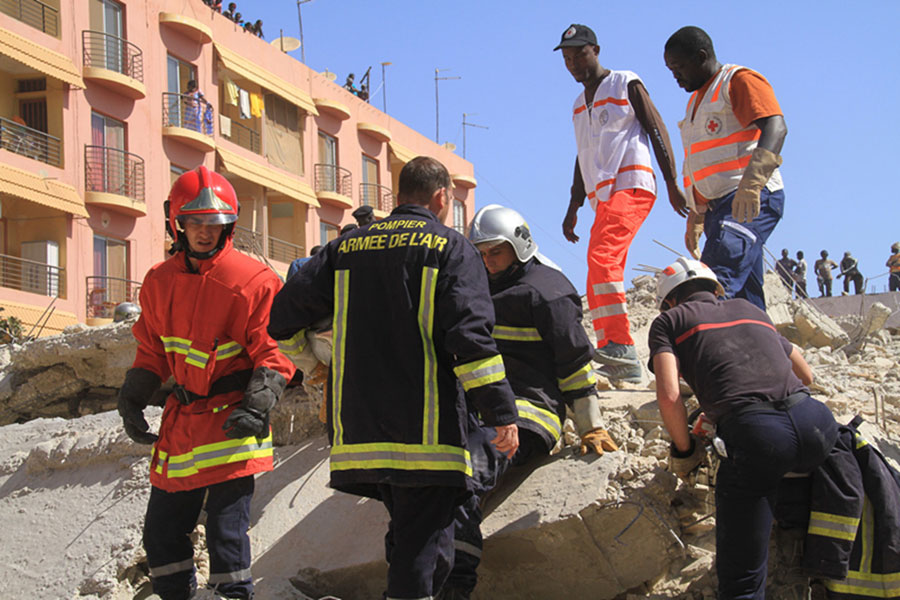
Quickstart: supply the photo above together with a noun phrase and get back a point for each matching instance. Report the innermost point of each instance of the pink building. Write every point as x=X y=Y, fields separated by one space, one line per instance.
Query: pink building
x=96 y=121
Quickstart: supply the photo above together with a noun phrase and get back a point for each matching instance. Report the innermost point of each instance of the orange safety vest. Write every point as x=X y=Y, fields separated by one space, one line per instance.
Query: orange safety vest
x=200 y=327
x=717 y=147
x=613 y=148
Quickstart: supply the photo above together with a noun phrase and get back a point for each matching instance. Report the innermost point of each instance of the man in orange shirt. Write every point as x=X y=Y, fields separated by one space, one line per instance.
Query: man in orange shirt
x=732 y=133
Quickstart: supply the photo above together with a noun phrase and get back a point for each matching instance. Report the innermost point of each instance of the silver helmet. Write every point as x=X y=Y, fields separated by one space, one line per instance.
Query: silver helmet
x=126 y=311
x=495 y=223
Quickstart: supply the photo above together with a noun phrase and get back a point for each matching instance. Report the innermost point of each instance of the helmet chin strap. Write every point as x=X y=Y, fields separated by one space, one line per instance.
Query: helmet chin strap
x=182 y=244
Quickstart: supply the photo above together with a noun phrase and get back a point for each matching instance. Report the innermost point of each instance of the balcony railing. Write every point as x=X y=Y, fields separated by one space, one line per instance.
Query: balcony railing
x=21 y=139
x=377 y=196
x=114 y=171
x=34 y=13
x=243 y=136
x=107 y=51
x=105 y=293
x=31 y=276
x=184 y=110
x=332 y=178
x=247 y=240
x=284 y=251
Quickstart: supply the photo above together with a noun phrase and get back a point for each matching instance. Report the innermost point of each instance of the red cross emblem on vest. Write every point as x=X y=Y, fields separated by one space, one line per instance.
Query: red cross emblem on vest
x=713 y=125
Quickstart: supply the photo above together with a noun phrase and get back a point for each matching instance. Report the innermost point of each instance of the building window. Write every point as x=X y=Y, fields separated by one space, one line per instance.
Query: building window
x=369 y=188
x=284 y=134
x=328 y=232
x=459 y=216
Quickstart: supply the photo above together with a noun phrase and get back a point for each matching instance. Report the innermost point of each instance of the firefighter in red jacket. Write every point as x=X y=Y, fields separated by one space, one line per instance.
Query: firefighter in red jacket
x=204 y=323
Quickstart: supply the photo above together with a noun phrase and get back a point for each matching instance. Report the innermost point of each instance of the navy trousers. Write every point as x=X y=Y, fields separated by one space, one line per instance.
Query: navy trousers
x=734 y=251
x=172 y=516
x=762 y=447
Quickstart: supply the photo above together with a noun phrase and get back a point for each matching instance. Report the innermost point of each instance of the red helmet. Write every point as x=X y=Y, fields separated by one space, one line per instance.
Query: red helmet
x=203 y=195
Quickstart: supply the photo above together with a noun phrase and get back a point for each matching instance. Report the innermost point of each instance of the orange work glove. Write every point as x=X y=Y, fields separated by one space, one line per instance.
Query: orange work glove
x=597 y=440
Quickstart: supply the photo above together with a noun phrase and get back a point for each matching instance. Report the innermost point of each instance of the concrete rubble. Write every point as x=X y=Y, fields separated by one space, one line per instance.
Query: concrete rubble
x=73 y=488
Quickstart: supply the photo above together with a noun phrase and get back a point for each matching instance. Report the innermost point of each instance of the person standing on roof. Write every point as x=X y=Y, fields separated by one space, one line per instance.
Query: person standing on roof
x=203 y=322
x=893 y=263
x=616 y=124
x=732 y=133
x=785 y=266
x=823 y=268
x=800 y=275
x=547 y=356
x=850 y=272
x=751 y=383
x=413 y=357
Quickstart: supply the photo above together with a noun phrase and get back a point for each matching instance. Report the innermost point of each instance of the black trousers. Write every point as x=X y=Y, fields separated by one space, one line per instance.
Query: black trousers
x=172 y=516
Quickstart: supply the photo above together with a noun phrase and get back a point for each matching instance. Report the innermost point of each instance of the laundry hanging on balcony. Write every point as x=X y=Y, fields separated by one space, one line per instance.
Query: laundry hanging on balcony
x=244 y=104
x=231 y=92
x=256 y=104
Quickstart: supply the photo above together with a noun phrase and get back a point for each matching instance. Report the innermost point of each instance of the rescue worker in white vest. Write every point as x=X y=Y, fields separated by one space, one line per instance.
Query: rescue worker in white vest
x=547 y=356
x=751 y=383
x=616 y=124
x=203 y=322
x=412 y=320
x=732 y=132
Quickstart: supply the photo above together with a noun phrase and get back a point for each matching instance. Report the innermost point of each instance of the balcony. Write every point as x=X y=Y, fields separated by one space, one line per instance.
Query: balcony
x=186 y=26
x=189 y=120
x=21 y=139
x=114 y=63
x=31 y=276
x=247 y=240
x=114 y=178
x=241 y=135
x=34 y=13
x=284 y=251
x=103 y=294
x=334 y=185
x=379 y=197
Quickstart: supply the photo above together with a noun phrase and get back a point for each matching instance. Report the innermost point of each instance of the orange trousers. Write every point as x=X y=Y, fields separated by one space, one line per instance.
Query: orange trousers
x=616 y=223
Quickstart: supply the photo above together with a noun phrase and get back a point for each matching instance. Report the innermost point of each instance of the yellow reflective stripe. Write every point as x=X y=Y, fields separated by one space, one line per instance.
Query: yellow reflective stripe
x=834 y=526
x=220 y=408
x=426 y=329
x=860 y=441
x=870 y=585
x=228 y=350
x=339 y=350
x=582 y=378
x=543 y=417
x=219 y=453
x=179 y=345
x=480 y=372
x=295 y=344
x=516 y=334
x=405 y=457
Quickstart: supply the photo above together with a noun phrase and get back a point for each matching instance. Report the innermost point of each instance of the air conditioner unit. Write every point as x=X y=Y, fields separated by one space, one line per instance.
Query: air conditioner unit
x=43 y=278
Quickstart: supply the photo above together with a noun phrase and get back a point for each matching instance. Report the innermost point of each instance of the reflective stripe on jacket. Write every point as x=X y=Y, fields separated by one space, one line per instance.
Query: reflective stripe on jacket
x=411 y=321
x=717 y=147
x=613 y=148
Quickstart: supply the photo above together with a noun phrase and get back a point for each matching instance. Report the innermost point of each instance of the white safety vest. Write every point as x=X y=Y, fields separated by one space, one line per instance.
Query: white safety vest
x=613 y=148
x=717 y=147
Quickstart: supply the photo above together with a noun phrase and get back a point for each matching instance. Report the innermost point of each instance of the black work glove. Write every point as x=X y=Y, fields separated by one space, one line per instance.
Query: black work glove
x=134 y=395
x=252 y=416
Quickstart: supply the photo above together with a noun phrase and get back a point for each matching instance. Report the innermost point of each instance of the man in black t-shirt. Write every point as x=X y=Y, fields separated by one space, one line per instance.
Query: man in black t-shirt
x=751 y=383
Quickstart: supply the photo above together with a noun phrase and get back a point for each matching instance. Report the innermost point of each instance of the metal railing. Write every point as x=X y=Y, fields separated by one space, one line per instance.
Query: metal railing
x=377 y=196
x=103 y=294
x=188 y=111
x=114 y=171
x=21 y=139
x=332 y=178
x=243 y=136
x=31 y=276
x=283 y=251
x=114 y=53
x=247 y=240
x=34 y=13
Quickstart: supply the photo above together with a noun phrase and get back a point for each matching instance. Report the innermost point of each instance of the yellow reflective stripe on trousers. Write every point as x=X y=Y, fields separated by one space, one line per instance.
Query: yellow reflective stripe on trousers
x=547 y=420
x=339 y=350
x=833 y=526
x=480 y=372
x=293 y=345
x=405 y=457
x=173 y=567
x=581 y=378
x=219 y=453
x=426 y=329
x=516 y=334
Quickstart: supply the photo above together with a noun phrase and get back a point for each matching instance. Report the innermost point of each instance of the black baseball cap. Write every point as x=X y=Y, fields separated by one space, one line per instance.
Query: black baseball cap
x=362 y=211
x=577 y=35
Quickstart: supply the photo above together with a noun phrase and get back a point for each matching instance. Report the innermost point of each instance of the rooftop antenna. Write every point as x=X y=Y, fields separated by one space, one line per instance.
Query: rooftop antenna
x=467 y=124
x=437 y=128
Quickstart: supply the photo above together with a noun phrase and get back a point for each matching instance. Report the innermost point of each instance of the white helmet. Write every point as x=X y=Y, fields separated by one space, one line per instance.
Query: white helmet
x=495 y=223
x=681 y=271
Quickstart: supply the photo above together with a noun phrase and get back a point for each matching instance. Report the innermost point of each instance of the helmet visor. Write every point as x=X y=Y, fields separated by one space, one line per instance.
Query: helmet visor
x=206 y=219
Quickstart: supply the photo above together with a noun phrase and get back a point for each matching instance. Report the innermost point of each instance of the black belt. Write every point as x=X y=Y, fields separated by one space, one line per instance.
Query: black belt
x=223 y=385
x=777 y=405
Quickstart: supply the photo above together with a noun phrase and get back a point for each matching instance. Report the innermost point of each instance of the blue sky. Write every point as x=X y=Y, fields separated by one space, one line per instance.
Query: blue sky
x=833 y=66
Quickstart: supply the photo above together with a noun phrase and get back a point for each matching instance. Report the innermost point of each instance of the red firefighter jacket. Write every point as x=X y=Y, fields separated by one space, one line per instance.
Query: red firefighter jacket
x=199 y=327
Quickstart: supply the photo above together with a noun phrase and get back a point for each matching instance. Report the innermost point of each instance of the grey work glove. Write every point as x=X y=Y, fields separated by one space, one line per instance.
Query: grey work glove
x=684 y=463
x=252 y=416
x=745 y=206
x=134 y=395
